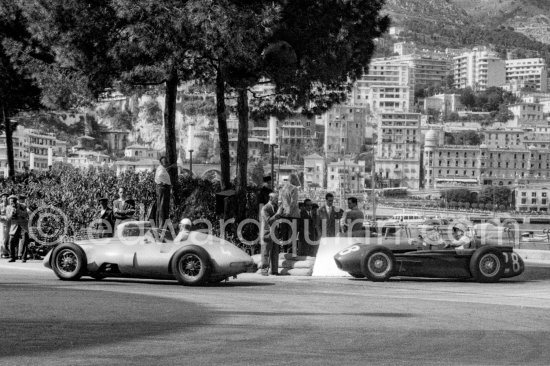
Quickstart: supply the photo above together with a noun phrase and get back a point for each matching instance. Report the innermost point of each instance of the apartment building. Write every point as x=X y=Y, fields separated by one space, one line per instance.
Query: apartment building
x=478 y=69
x=531 y=199
x=256 y=148
x=345 y=175
x=428 y=68
x=527 y=114
x=482 y=164
x=398 y=154
x=444 y=103
x=344 y=129
x=528 y=71
x=388 y=86
x=314 y=170
x=141 y=152
x=29 y=141
x=501 y=138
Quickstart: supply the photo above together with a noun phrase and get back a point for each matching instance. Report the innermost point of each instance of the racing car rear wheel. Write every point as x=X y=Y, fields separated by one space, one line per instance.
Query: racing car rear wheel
x=191 y=266
x=487 y=265
x=68 y=262
x=378 y=264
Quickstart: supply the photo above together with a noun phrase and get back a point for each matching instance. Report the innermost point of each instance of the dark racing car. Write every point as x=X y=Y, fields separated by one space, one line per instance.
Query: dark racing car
x=399 y=251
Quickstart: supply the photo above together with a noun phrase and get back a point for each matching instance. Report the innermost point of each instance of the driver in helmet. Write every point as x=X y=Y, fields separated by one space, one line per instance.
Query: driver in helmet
x=460 y=239
x=185 y=228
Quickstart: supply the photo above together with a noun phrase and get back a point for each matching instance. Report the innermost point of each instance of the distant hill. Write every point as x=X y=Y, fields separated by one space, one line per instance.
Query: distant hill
x=521 y=27
x=529 y=17
x=436 y=11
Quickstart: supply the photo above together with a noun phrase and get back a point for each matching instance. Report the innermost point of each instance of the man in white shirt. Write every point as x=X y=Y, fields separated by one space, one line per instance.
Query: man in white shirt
x=162 y=180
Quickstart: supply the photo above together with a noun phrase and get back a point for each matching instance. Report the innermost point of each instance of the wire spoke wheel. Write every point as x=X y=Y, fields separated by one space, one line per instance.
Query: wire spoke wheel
x=67 y=261
x=191 y=266
x=379 y=264
x=489 y=265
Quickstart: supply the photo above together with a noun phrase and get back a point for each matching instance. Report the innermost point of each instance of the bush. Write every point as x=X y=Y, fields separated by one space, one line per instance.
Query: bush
x=74 y=192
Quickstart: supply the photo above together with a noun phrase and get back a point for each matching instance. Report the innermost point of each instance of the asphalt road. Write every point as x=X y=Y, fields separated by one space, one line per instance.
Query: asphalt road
x=257 y=320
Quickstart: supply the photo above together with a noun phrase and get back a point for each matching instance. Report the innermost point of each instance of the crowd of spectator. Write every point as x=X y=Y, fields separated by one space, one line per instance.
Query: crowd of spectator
x=14 y=227
x=298 y=227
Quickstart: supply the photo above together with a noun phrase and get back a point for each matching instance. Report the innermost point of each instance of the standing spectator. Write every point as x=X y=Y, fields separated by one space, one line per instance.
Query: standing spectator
x=122 y=207
x=105 y=219
x=270 y=249
x=309 y=230
x=4 y=226
x=24 y=242
x=265 y=190
x=164 y=185
x=291 y=212
x=330 y=217
x=353 y=219
x=18 y=219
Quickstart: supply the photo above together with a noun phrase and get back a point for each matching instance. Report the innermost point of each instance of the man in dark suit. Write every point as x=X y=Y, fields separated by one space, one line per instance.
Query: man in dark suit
x=105 y=219
x=330 y=217
x=123 y=209
x=309 y=230
x=18 y=218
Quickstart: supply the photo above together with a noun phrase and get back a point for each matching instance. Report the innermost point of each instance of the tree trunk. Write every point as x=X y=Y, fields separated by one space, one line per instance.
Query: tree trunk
x=225 y=159
x=242 y=153
x=170 y=130
x=9 y=143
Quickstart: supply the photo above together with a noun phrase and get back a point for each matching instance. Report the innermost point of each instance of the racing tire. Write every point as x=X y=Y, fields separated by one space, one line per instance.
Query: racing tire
x=191 y=266
x=487 y=265
x=378 y=264
x=357 y=275
x=68 y=262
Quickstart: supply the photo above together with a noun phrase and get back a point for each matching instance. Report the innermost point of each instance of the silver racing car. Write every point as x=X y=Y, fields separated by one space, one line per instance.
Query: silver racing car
x=140 y=250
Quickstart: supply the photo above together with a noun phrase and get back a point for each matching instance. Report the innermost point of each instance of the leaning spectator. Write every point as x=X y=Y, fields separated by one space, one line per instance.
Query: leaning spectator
x=164 y=185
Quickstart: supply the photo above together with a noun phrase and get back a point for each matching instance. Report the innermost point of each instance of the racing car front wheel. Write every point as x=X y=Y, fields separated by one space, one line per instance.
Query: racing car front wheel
x=487 y=265
x=68 y=262
x=191 y=266
x=378 y=263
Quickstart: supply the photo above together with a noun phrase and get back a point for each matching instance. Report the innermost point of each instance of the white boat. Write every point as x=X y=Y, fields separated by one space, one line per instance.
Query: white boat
x=407 y=218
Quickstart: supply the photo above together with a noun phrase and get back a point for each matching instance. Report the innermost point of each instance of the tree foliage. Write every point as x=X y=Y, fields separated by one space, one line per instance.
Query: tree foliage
x=471 y=138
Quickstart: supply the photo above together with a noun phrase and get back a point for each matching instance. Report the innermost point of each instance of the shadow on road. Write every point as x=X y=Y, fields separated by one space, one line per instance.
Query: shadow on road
x=175 y=283
x=44 y=319
x=313 y=313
